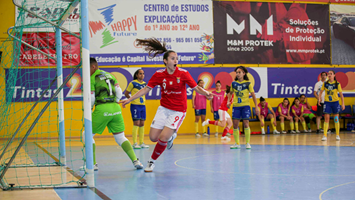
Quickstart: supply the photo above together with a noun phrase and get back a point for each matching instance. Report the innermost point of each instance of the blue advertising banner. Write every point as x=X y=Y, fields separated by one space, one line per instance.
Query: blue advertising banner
x=292 y=82
x=30 y=83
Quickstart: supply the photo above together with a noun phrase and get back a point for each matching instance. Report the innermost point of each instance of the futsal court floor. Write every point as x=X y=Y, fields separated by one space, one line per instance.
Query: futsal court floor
x=286 y=166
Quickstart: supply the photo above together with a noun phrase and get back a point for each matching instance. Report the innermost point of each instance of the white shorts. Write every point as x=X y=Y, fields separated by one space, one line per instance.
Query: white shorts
x=223 y=115
x=169 y=118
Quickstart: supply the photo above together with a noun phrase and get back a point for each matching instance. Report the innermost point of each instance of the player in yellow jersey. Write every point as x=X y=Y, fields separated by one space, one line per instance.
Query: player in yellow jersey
x=137 y=108
x=331 y=102
x=241 y=88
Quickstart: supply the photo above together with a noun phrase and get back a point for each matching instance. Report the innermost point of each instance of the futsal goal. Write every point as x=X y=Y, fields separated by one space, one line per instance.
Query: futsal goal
x=45 y=97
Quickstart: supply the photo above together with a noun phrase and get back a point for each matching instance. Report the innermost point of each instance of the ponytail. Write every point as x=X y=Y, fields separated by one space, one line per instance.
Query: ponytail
x=228 y=89
x=293 y=103
x=154 y=47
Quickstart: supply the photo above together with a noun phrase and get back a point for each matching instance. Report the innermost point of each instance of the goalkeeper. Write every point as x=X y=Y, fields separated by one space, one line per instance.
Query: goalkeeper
x=105 y=93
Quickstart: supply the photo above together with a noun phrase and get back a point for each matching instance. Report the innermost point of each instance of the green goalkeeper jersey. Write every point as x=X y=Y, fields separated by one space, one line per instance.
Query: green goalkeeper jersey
x=103 y=84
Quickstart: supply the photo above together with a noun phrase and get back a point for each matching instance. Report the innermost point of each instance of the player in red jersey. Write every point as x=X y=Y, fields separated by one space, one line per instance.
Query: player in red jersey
x=173 y=102
x=223 y=114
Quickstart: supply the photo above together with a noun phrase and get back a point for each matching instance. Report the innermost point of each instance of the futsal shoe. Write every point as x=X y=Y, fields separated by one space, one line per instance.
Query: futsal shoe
x=206 y=122
x=150 y=166
x=136 y=146
x=216 y=134
x=224 y=138
x=309 y=130
x=144 y=145
x=337 y=138
x=298 y=131
x=321 y=130
x=228 y=134
x=247 y=146
x=137 y=164
x=305 y=131
x=235 y=146
x=324 y=138
x=263 y=131
x=170 y=142
x=205 y=135
x=197 y=135
x=283 y=132
x=293 y=131
x=276 y=132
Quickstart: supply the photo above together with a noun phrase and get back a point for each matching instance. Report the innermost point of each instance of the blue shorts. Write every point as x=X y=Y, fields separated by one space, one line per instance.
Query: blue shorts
x=216 y=115
x=200 y=112
x=331 y=107
x=241 y=113
x=138 y=112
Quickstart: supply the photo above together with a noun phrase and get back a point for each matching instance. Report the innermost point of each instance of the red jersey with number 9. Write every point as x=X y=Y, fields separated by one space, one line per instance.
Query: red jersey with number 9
x=173 y=88
x=225 y=101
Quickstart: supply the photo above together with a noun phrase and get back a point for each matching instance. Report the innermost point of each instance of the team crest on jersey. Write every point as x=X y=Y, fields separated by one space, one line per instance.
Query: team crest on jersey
x=178 y=79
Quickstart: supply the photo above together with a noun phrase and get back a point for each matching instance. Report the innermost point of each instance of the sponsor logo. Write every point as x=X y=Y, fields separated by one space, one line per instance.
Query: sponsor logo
x=254 y=26
x=107 y=114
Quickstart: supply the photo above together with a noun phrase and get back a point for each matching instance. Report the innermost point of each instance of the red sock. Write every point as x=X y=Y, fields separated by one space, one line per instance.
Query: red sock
x=159 y=149
x=213 y=122
x=225 y=131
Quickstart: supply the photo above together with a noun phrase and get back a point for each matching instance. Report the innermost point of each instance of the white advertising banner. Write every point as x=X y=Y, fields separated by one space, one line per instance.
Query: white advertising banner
x=185 y=26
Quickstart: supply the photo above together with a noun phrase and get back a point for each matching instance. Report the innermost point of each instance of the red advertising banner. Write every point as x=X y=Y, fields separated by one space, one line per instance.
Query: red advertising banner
x=45 y=41
x=271 y=33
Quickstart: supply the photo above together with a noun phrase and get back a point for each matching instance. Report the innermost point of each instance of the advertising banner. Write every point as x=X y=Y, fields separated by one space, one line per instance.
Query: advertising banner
x=73 y=89
x=185 y=26
x=342 y=18
x=50 y=10
x=268 y=82
x=46 y=43
x=271 y=33
x=296 y=81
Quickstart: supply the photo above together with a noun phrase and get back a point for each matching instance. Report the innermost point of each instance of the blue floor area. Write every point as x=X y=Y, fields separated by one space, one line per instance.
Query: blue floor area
x=217 y=172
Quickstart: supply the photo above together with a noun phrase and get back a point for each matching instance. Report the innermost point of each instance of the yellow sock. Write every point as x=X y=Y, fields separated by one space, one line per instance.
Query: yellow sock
x=216 y=129
x=326 y=125
x=282 y=126
x=262 y=127
x=141 y=134
x=292 y=126
x=272 y=124
x=196 y=127
x=247 y=135
x=236 y=135
x=304 y=125
x=296 y=126
x=134 y=134
x=204 y=129
x=337 y=127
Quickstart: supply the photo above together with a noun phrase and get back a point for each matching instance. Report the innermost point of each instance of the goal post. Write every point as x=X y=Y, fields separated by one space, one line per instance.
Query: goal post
x=40 y=85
